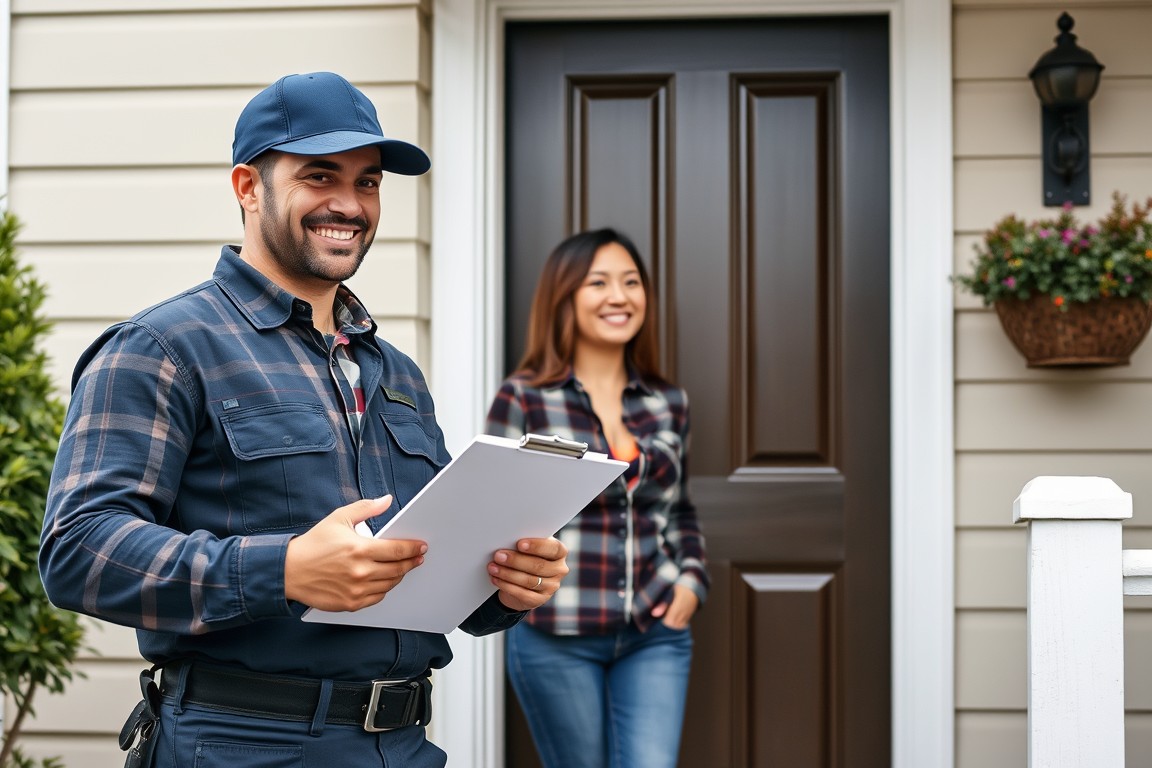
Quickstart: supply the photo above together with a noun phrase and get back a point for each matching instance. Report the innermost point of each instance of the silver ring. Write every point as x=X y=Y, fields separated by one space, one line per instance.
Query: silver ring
x=539 y=581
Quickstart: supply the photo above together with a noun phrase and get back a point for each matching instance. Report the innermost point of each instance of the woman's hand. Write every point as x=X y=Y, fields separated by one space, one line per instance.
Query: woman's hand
x=679 y=612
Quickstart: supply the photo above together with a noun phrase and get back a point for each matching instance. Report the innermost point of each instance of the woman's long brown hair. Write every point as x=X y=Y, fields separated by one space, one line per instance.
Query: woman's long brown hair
x=552 y=320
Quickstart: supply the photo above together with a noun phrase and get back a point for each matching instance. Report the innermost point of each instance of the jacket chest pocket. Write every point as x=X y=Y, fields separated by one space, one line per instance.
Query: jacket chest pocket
x=414 y=455
x=283 y=457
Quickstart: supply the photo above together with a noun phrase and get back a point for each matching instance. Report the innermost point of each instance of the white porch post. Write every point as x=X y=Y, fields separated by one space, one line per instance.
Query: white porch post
x=1075 y=621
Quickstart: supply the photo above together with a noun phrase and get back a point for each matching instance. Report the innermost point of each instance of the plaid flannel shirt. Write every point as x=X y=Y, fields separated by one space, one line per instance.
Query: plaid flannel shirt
x=630 y=545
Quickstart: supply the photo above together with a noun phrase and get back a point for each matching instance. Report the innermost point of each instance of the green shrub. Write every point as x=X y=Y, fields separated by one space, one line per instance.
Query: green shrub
x=38 y=642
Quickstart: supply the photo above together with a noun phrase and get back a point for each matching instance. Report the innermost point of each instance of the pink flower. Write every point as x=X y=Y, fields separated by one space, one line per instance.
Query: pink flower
x=1128 y=278
x=1010 y=282
x=1045 y=233
x=1068 y=236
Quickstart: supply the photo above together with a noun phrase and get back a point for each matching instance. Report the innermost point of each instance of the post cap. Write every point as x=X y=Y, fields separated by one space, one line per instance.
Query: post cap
x=1071 y=498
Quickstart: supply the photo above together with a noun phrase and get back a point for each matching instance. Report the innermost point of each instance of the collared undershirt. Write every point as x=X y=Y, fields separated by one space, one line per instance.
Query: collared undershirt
x=350 y=371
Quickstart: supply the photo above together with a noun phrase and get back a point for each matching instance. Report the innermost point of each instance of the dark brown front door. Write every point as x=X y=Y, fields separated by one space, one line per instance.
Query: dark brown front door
x=748 y=159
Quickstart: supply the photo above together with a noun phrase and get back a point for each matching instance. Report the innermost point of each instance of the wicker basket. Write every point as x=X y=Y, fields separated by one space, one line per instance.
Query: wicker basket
x=1096 y=333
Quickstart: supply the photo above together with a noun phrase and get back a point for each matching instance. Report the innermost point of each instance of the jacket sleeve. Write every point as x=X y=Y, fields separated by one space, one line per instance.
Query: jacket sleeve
x=491 y=617
x=111 y=545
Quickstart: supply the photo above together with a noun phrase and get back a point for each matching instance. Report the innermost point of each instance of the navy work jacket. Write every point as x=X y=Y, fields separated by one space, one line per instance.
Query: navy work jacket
x=202 y=435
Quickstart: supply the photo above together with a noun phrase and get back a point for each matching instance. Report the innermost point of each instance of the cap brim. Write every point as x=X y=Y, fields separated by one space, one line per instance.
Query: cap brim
x=396 y=156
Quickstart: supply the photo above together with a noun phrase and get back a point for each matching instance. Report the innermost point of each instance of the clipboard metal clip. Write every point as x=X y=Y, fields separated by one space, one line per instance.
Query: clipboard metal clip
x=553 y=444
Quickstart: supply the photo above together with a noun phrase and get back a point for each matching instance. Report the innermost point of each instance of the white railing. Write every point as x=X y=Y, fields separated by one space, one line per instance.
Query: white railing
x=1078 y=574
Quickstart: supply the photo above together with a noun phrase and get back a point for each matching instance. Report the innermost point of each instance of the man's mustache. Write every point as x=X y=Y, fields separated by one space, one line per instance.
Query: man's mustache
x=320 y=220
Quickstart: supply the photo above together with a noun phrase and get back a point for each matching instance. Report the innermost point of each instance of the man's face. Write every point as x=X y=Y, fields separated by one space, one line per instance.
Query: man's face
x=321 y=212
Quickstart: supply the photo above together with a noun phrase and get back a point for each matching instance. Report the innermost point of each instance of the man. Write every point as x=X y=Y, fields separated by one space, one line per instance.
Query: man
x=221 y=447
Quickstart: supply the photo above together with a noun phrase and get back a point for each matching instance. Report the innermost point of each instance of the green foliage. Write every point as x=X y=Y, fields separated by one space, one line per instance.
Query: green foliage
x=1064 y=259
x=20 y=760
x=38 y=642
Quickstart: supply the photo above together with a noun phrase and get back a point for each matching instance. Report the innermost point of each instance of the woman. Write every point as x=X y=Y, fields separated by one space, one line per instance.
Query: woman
x=601 y=671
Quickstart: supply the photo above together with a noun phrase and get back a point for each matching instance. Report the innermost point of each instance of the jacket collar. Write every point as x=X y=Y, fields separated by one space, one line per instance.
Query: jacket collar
x=267 y=305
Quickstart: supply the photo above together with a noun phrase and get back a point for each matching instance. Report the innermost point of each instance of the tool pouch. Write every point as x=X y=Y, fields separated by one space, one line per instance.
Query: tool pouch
x=141 y=725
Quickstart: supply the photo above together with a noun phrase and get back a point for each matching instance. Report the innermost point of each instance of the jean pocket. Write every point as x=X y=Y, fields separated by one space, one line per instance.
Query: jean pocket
x=223 y=754
x=687 y=628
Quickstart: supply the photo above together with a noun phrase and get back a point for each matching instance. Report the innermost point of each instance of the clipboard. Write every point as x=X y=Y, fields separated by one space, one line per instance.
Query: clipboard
x=496 y=491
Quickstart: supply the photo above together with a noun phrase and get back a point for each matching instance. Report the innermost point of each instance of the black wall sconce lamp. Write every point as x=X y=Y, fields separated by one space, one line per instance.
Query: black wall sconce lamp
x=1065 y=79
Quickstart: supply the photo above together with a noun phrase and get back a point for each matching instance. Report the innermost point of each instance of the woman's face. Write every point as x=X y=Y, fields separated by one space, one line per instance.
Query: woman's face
x=609 y=305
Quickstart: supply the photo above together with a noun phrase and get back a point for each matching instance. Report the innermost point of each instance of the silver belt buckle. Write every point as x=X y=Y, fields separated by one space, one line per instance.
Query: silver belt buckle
x=374 y=702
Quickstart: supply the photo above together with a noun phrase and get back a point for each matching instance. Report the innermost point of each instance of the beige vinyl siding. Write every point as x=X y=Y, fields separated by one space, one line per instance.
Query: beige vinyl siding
x=1015 y=423
x=120 y=148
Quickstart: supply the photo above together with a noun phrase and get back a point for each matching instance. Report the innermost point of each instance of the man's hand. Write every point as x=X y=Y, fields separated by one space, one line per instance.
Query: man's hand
x=528 y=576
x=334 y=568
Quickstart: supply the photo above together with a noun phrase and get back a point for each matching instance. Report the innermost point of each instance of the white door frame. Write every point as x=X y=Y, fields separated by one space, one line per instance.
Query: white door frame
x=467 y=265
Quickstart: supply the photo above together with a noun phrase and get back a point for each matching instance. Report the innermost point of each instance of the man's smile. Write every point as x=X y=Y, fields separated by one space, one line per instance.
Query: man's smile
x=335 y=234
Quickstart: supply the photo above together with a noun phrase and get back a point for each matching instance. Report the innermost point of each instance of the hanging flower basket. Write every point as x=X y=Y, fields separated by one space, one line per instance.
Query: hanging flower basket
x=1096 y=333
x=1068 y=293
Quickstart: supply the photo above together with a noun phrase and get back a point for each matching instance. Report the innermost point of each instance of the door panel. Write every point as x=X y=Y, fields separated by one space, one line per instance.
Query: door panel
x=748 y=159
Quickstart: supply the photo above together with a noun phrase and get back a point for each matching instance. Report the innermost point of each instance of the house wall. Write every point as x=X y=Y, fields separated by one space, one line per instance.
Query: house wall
x=119 y=156
x=120 y=149
x=1013 y=423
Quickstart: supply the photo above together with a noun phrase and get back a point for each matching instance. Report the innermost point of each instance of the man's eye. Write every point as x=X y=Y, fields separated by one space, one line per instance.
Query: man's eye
x=370 y=183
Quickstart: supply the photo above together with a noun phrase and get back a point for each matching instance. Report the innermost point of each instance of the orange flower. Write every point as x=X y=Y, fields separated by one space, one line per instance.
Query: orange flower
x=1058 y=301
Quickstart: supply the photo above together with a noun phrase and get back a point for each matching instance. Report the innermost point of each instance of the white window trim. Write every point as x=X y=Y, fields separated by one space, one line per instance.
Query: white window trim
x=467 y=248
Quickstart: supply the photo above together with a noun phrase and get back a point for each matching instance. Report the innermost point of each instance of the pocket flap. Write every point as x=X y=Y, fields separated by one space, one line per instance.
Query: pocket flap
x=411 y=438
x=278 y=429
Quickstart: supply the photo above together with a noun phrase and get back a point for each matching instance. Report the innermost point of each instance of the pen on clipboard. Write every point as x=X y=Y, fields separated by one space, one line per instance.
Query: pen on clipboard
x=553 y=444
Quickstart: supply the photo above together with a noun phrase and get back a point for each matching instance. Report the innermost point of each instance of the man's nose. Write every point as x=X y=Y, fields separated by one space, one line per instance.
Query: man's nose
x=345 y=201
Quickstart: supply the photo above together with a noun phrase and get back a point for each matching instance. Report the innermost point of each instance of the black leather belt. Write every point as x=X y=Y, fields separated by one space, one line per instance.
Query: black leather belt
x=379 y=705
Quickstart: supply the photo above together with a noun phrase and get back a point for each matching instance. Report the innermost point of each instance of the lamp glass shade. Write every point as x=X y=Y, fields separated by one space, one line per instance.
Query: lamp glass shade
x=1067 y=75
x=1066 y=85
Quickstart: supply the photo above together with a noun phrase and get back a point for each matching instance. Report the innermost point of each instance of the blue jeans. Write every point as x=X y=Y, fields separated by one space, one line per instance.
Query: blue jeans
x=605 y=701
x=193 y=736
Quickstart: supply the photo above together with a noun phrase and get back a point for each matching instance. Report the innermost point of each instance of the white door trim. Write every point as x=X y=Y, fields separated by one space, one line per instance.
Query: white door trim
x=467 y=264
x=5 y=109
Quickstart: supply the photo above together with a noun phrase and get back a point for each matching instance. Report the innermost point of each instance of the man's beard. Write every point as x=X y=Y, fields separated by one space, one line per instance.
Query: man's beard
x=300 y=257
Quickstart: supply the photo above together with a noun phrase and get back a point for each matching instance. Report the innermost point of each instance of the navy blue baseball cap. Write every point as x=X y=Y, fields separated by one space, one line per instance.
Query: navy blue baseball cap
x=319 y=113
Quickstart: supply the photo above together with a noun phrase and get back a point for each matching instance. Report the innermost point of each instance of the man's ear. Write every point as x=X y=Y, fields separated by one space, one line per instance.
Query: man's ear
x=246 y=185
